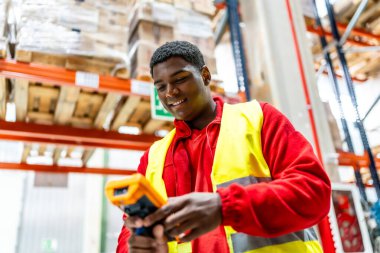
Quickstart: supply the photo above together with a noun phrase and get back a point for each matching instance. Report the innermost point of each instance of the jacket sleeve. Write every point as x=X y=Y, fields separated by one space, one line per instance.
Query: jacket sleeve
x=298 y=196
x=122 y=244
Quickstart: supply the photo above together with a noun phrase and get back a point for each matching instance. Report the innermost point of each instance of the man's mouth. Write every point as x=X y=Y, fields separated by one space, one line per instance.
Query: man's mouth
x=177 y=102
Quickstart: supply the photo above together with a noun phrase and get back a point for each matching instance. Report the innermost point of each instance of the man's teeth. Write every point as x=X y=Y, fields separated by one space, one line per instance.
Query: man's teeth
x=179 y=102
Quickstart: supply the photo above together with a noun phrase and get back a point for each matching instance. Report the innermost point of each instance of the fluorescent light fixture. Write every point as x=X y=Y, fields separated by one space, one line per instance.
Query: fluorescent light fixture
x=11 y=151
x=77 y=153
x=129 y=130
x=42 y=160
x=63 y=153
x=70 y=162
x=10 y=114
x=161 y=132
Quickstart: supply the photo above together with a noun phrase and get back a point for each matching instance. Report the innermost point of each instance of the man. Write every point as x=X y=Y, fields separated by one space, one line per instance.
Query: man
x=239 y=178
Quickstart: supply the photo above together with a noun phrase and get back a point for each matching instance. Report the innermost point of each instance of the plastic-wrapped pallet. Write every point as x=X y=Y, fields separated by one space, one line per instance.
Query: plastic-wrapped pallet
x=3 y=21
x=3 y=18
x=87 y=36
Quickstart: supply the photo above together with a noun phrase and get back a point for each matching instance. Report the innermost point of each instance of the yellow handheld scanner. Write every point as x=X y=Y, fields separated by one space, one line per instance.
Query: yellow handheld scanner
x=135 y=196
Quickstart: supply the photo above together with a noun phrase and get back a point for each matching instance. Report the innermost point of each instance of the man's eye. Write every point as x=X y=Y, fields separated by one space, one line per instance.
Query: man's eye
x=180 y=80
x=161 y=88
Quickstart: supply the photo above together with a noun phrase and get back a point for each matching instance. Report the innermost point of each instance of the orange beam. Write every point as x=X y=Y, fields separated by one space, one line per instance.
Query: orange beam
x=60 y=76
x=63 y=135
x=318 y=31
x=359 y=32
x=64 y=169
x=357 y=161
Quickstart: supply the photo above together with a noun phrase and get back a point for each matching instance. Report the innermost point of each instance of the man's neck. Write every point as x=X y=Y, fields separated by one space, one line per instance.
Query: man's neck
x=207 y=116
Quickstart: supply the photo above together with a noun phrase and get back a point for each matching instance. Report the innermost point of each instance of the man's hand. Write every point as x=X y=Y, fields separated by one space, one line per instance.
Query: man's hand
x=189 y=216
x=143 y=244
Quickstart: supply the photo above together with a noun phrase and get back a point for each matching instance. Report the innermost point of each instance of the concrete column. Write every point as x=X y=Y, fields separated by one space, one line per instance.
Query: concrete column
x=280 y=63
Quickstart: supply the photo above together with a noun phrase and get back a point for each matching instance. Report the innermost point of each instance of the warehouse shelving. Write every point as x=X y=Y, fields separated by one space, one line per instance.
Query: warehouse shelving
x=110 y=94
x=61 y=135
x=65 y=169
x=365 y=40
x=61 y=76
x=64 y=135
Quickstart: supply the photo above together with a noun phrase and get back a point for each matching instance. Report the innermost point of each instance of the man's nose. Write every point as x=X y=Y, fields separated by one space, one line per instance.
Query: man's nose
x=172 y=91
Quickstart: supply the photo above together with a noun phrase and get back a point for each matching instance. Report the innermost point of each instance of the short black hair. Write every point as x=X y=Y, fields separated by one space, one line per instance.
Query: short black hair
x=183 y=49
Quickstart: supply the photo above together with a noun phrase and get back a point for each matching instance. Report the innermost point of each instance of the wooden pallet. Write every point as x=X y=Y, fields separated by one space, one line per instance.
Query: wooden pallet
x=362 y=66
x=99 y=65
x=135 y=111
x=73 y=106
x=140 y=60
x=369 y=20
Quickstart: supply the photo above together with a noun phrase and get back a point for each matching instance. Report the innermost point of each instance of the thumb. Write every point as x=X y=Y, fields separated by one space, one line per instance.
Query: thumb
x=158 y=232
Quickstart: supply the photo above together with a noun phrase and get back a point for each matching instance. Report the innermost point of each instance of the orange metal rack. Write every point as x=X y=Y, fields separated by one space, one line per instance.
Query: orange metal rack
x=60 y=76
x=64 y=135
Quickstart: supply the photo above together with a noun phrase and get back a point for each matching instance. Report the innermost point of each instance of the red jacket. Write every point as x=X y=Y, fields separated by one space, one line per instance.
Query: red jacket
x=297 y=198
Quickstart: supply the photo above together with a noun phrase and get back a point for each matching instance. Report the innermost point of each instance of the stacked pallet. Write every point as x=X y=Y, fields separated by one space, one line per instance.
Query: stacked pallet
x=363 y=65
x=86 y=36
x=44 y=103
x=152 y=23
x=369 y=21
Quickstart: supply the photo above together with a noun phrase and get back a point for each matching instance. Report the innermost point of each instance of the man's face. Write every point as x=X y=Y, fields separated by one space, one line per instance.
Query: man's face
x=181 y=88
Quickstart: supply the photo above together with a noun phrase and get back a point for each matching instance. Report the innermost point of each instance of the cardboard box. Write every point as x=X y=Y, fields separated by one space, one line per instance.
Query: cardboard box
x=186 y=4
x=210 y=62
x=204 y=6
x=206 y=45
x=109 y=17
x=140 y=60
x=152 y=32
x=160 y=13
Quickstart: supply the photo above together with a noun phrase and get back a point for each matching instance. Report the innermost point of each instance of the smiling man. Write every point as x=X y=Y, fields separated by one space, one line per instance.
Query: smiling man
x=239 y=178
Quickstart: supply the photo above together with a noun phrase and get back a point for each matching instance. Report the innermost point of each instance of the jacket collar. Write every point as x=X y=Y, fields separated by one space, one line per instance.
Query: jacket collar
x=183 y=130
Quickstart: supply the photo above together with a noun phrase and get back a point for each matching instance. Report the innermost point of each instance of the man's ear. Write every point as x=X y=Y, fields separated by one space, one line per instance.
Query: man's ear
x=206 y=75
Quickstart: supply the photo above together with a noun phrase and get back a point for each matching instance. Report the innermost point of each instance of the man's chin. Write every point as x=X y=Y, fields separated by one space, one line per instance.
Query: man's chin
x=181 y=117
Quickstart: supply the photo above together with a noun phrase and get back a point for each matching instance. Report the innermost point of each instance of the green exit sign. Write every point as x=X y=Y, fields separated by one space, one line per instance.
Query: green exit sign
x=158 y=110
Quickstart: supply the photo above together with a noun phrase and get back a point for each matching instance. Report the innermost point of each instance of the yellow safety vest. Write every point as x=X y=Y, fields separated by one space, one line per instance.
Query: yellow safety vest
x=243 y=122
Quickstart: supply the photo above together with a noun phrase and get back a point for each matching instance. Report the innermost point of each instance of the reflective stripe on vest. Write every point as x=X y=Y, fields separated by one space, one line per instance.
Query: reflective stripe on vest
x=240 y=138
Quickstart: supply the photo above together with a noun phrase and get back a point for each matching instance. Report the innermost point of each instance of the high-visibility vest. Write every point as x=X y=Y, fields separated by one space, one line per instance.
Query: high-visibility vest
x=240 y=138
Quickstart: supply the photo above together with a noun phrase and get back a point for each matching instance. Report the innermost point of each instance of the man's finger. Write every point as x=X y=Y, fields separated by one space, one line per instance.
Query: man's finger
x=133 y=222
x=172 y=206
x=161 y=240
x=182 y=228
x=158 y=232
x=178 y=218
x=141 y=242
x=193 y=234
